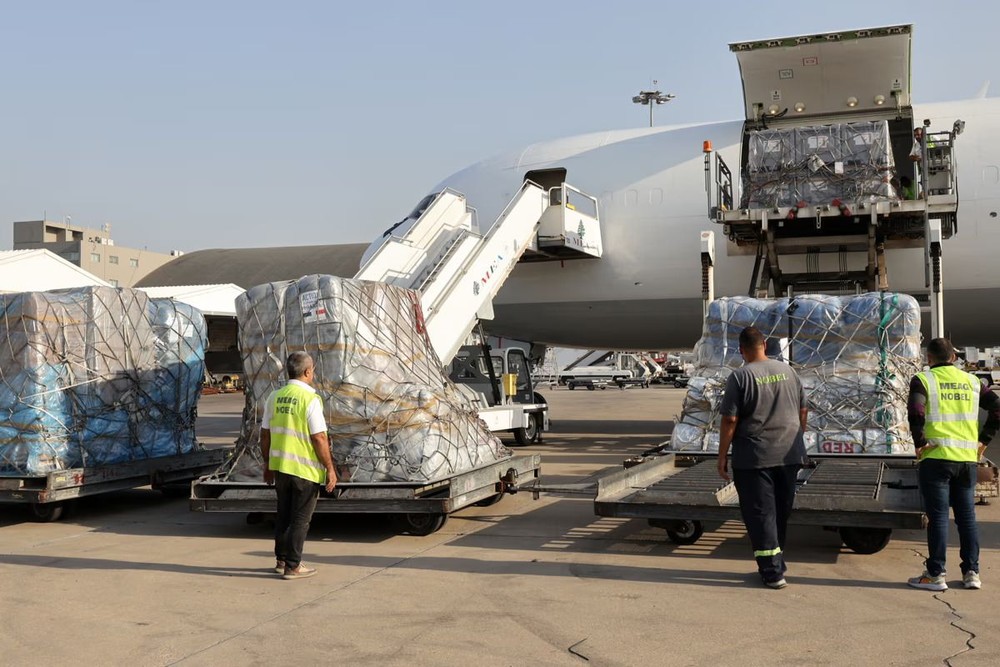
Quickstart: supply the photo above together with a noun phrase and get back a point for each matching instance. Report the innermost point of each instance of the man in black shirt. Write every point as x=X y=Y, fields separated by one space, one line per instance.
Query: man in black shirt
x=763 y=418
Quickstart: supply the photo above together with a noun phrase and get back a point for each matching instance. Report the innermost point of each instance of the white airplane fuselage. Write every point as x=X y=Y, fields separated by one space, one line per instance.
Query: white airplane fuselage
x=645 y=292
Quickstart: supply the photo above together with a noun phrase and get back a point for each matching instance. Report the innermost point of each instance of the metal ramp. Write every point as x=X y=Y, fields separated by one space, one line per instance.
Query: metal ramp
x=698 y=485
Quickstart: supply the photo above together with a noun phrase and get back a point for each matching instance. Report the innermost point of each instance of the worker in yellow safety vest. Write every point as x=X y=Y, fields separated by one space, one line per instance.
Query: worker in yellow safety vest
x=297 y=461
x=943 y=411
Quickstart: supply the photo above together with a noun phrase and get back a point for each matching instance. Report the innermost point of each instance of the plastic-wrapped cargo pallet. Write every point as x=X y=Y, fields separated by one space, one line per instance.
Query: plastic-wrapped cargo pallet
x=392 y=414
x=96 y=376
x=818 y=164
x=854 y=354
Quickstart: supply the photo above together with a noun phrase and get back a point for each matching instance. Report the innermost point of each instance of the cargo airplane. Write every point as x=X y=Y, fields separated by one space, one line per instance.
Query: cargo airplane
x=650 y=185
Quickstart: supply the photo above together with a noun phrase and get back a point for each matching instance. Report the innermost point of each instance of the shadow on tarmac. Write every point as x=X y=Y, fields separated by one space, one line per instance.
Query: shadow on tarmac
x=543 y=568
x=75 y=563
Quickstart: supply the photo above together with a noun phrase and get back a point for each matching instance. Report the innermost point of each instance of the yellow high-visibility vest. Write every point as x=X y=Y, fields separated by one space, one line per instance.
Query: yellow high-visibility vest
x=292 y=451
x=952 y=414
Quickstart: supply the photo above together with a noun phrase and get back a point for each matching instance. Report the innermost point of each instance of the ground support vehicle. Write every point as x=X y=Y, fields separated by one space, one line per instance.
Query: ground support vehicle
x=863 y=498
x=49 y=495
x=502 y=389
x=633 y=382
x=418 y=508
x=589 y=384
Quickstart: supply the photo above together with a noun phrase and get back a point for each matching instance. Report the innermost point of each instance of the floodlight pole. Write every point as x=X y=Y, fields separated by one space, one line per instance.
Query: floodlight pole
x=651 y=97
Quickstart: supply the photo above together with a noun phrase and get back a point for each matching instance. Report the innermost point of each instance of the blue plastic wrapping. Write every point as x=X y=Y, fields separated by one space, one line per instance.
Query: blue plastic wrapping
x=854 y=354
x=96 y=376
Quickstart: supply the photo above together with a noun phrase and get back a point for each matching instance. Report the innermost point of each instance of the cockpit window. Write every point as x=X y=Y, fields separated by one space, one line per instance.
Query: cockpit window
x=417 y=211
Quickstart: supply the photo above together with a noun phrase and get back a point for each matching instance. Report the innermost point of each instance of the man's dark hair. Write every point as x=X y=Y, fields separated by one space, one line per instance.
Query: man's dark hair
x=940 y=351
x=751 y=338
x=297 y=364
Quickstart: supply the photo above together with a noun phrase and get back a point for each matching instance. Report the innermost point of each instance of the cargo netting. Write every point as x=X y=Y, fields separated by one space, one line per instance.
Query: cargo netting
x=819 y=165
x=392 y=414
x=855 y=356
x=96 y=376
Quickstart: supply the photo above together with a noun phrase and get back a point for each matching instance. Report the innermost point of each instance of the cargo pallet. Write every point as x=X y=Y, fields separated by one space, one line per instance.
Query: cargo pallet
x=418 y=508
x=48 y=495
x=864 y=499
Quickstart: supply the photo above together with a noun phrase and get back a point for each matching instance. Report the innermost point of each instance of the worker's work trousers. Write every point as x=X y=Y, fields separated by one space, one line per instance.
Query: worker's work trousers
x=944 y=484
x=296 y=501
x=766 y=497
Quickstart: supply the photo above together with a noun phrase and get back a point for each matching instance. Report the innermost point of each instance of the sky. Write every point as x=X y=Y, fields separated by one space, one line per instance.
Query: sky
x=189 y=125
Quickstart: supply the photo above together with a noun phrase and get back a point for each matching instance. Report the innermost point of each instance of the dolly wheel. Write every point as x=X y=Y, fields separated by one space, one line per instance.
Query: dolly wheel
x=865 y=540
x=420 y=524
x=47 y=512
x=685 y=532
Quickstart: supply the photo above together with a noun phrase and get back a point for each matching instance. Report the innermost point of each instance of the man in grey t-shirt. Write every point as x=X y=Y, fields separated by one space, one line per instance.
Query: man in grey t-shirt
x=763 y=418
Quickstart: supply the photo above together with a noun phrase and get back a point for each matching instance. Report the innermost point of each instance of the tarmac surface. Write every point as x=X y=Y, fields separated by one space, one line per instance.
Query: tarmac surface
x=135 y=578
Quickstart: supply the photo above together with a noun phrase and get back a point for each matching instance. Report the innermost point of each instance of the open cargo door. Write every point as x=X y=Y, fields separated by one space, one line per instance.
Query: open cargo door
x=829 y=73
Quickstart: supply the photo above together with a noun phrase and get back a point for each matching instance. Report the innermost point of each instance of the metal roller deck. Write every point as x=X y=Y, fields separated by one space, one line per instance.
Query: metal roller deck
x=864 y=498
x=421 y=506
x=48 y=494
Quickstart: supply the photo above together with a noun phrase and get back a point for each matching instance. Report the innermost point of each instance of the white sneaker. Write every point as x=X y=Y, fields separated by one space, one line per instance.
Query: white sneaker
x=971 y=580
x=929 y=583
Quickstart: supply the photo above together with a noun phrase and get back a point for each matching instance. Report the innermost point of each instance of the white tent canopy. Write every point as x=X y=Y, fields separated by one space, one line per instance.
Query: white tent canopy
x=41 y=270
x=217 y=300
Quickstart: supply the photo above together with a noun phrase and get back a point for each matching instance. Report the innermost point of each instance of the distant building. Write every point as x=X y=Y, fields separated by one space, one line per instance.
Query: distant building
x=40 y=270
x=91 y=249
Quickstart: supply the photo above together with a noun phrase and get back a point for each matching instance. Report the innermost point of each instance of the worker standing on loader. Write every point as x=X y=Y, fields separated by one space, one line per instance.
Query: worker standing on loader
x=297 y=461
x=763 y=418
x=943 y=410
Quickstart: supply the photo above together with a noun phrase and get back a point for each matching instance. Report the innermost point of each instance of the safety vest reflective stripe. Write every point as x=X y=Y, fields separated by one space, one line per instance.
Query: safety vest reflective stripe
x=288 y=456
x=764 y=553
x=952 y=442
x=291 y=432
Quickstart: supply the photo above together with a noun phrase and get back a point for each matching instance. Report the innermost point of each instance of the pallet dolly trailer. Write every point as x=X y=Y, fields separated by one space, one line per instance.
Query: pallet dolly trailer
x=48 y=495
x=418 y=508
x=864 y=499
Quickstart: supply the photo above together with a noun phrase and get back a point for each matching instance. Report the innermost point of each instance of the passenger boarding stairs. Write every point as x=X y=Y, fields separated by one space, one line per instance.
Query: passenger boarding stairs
x=457 y=269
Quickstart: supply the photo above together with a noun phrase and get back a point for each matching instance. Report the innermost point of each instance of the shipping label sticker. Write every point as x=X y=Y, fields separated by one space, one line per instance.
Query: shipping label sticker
x=786 y=74
x=312 y=309
x=810 y=61
x=775 y=95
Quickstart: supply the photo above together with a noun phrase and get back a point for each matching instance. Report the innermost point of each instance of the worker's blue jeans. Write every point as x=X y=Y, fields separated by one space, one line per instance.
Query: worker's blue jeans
x=296 y=501
x=944 y=484
x=766 y=498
